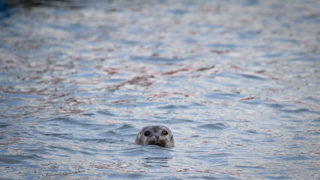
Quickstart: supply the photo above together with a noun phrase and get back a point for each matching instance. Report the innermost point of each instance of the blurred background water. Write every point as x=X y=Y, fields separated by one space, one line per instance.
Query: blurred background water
x=236 y=81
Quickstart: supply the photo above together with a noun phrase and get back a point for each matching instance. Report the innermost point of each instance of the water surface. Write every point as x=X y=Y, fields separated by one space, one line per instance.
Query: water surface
x=236 y=81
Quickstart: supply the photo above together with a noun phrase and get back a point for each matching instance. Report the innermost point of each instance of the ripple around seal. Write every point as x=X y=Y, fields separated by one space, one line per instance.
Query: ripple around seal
x=215 y=126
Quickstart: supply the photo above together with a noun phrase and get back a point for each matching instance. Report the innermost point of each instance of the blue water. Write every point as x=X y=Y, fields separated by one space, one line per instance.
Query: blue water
x=236 y=81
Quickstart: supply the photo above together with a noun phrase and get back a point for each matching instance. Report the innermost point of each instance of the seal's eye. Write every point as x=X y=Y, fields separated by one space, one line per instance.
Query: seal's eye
x=147 y=133
x=164 y=133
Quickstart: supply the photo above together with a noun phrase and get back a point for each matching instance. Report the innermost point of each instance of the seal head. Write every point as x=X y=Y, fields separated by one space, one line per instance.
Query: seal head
x=155 y=135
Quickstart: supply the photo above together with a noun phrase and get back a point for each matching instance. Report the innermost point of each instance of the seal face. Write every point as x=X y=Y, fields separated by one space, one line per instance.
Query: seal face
x=155 y=135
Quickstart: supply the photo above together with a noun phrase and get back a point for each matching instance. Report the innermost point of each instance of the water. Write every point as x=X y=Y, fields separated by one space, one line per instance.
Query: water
x=236 y=81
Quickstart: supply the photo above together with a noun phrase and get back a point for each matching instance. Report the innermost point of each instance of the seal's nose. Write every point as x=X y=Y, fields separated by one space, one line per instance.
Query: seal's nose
x=157 y=138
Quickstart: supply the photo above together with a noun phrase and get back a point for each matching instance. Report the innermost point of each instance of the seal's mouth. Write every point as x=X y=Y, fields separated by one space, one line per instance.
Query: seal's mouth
x=157 y=143
x=160 y=144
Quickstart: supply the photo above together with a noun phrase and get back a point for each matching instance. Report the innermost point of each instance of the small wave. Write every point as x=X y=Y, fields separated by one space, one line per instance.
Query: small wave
x=215 y=126
x=249 y=76
x=4 y=125
x=252 y=131
x=17 y=159
x=105 y=112
x=173 y=107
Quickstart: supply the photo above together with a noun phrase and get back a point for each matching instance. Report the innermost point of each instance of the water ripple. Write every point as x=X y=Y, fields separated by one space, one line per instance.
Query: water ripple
x=215 y=126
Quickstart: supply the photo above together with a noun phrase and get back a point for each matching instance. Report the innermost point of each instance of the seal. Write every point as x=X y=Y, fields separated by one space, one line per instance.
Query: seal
x=155 y=135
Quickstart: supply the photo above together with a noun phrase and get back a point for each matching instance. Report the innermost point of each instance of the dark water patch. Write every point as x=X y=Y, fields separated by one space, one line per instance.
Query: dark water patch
x=250 y=2
x=36 y=4
x=60 y=135
x=279 y=177
x=55 y=136
x=172 y=107
x=18 y=159
x=251 y=131
x=253 y=77
x=109 y=133
x=276 y=106
x=285 y=40
x=299 y=111
x=105 y=112
x=299 y=138
x=305 y=59
x=125 y=127
x=215 y=126
x=88 y=114
x=40 y=153
x=315 y=133
x=6 y=159
x=312 y=17
x=4 y=125
x=5 y=10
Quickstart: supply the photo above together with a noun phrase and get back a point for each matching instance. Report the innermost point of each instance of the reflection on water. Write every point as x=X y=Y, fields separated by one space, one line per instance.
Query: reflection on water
x=236 y=81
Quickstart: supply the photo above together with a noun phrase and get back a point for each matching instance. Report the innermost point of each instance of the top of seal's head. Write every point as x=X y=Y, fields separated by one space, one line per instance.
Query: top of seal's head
x=155 y=135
